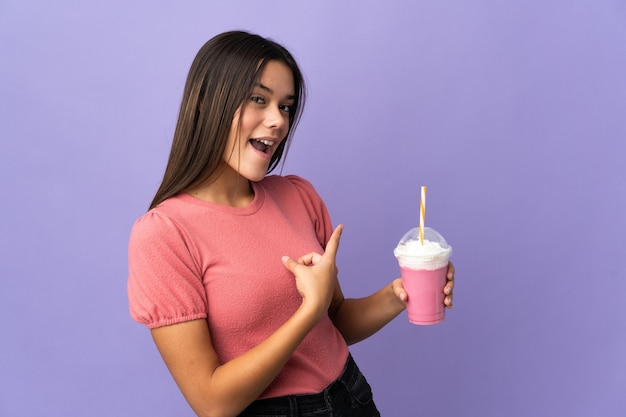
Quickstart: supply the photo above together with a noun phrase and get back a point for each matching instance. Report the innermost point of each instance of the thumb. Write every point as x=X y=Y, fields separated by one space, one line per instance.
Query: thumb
x=290 y=264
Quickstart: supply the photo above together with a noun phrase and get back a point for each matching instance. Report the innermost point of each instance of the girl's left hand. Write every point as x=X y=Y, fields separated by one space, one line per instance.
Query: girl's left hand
x=449 y=287
x=399 y=291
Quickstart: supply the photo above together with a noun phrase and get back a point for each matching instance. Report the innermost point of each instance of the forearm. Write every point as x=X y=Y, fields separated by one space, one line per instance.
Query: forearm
x=358 y=319
x=241 y=380
x=215 y=389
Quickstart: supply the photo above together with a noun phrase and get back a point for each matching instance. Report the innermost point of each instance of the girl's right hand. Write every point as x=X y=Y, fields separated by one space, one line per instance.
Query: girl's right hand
x=316 y=275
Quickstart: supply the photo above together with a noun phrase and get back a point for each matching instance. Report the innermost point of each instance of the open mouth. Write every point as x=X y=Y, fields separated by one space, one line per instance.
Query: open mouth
x=261 y=145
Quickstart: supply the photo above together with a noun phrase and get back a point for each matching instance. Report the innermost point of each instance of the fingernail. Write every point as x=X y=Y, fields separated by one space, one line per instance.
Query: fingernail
x=284 y=259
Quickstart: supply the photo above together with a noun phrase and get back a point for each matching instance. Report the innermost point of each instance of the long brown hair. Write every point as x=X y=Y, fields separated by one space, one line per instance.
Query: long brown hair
x=220 y=80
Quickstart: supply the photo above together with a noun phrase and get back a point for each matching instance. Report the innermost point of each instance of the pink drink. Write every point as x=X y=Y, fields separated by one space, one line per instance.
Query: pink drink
x=425 y=289
x=424 y=266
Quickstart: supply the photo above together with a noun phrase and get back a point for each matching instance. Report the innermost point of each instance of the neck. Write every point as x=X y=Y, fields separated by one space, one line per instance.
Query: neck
x=225 y=188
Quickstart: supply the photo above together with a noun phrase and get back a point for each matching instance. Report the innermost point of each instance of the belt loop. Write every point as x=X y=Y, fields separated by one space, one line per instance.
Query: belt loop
x=328 y=399
x=347 y=378
x=293 y=406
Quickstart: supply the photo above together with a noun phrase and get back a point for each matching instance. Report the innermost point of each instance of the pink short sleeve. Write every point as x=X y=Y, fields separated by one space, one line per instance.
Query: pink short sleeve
x=164 y=282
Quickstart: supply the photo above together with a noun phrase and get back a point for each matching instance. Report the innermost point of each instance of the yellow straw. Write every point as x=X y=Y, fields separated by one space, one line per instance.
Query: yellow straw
x=422 y=213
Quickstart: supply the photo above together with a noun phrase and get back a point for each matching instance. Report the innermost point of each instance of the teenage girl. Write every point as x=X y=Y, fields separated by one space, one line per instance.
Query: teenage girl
x=233 y=270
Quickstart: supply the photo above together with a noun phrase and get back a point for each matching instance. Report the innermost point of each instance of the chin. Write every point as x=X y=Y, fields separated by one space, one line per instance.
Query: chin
x=256 y=177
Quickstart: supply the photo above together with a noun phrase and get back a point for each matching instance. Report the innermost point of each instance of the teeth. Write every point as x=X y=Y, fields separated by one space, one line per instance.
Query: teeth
x=265 y=142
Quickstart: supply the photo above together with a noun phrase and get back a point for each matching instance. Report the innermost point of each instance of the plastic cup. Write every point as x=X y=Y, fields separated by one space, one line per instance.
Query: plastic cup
x=423 y=268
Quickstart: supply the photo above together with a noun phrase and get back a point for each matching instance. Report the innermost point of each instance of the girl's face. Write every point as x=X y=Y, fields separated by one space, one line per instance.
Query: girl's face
x=261 y=123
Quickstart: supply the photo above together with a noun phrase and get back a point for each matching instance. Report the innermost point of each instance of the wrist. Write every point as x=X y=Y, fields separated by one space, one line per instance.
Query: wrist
x=312 y=312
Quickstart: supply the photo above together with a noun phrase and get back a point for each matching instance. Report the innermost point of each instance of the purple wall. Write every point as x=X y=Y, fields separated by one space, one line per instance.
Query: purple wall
x=511 y=112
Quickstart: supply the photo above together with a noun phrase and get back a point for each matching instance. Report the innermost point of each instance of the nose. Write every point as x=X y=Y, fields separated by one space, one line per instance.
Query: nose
x=276 y=118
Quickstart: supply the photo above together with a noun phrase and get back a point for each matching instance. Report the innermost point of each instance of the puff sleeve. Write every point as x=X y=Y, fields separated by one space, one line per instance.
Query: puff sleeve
x=164 y=281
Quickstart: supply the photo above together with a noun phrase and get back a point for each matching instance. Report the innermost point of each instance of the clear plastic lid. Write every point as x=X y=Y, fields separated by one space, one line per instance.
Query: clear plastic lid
x=433 y=253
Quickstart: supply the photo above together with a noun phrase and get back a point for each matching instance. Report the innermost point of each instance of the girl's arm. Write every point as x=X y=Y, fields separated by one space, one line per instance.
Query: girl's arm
x=358 y=319
x=215 y=389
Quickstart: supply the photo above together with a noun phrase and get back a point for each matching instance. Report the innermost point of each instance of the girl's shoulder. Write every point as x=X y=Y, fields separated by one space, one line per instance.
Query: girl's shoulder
x=291 y=183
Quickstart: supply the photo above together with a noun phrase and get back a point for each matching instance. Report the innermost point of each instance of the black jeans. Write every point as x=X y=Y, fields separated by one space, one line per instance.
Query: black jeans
x=349 y=396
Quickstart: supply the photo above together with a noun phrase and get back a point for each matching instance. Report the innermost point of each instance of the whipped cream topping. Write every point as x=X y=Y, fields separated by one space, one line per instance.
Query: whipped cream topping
x=430 y=255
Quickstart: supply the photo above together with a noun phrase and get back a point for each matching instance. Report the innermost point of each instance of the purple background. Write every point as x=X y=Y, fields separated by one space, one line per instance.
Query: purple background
x=512 y=113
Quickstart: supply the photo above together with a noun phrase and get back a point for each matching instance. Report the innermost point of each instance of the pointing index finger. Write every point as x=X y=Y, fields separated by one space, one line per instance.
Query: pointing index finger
x=333 y=243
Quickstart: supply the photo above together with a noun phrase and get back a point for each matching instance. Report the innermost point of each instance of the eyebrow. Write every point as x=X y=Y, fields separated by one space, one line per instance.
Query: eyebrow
x=269 y=90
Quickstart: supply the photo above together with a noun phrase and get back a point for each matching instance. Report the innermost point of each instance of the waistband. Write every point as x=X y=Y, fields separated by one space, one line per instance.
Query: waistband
x=308 y=403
